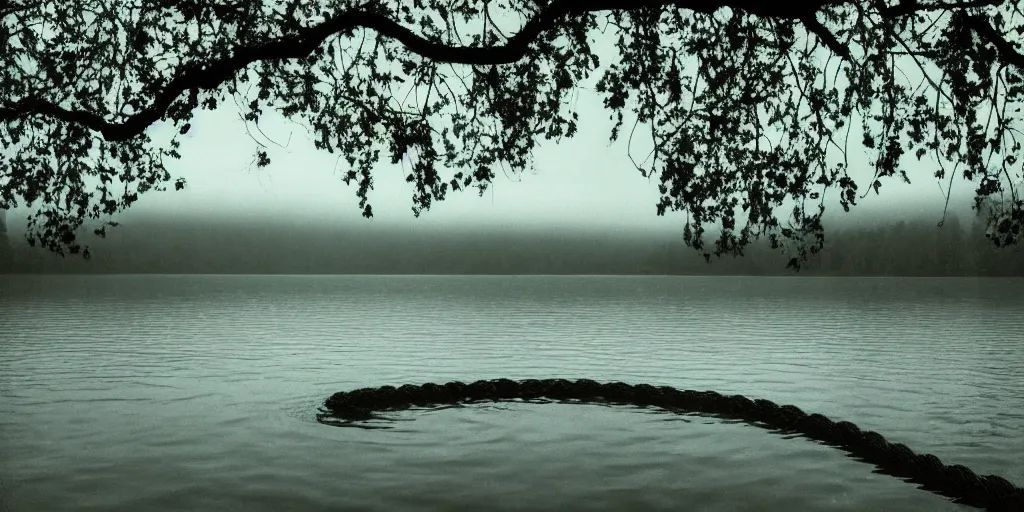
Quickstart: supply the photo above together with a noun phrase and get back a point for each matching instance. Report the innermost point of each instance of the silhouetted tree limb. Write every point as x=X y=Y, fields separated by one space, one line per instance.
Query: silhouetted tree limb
x=907 y=7
x=1006 y=49
x=212 y=74
x=78 y=101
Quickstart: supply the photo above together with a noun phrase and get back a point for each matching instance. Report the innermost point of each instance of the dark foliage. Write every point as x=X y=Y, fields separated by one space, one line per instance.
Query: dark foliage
x=751 y=105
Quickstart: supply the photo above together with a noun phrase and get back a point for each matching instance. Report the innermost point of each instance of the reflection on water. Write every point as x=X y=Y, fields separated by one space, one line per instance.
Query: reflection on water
x=201 y=392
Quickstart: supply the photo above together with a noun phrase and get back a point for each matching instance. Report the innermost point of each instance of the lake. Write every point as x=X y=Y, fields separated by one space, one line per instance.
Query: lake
x=163 y=393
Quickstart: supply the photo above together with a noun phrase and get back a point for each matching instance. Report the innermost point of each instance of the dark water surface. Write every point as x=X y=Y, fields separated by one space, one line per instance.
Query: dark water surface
x=162 y=393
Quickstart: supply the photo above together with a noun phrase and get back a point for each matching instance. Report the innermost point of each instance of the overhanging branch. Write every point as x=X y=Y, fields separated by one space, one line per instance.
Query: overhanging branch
x=1006 y=49
x=828 y=38
x=210 y=75
x=907 y=7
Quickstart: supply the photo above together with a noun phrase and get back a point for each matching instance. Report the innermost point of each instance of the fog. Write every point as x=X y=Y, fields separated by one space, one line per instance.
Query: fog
x=580 y=188
x=287 y=246
x=583 y=181
x=583 y=210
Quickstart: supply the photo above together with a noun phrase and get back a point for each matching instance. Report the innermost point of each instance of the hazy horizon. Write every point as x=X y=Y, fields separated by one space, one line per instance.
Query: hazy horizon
x=584 y=181
x=283 y=245
x=582 y=184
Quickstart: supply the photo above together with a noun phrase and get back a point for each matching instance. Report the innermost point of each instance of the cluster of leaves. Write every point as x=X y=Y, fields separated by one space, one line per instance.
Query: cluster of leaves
x=749 y=105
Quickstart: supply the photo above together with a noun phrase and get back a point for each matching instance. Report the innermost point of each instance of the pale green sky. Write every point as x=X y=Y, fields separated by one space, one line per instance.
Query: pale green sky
x=582 y=181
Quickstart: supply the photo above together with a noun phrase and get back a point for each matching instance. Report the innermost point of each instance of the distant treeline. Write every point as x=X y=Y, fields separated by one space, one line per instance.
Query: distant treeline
x=919 y=250
x=903 y=248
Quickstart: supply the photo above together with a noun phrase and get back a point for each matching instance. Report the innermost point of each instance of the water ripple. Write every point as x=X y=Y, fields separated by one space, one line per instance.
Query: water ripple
x=199 y=391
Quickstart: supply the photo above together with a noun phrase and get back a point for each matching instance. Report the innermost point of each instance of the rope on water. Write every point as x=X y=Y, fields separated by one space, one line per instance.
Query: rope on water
x=953 y=481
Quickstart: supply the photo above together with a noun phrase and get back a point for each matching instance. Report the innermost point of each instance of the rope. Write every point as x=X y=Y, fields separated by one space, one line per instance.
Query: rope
x=953 y=481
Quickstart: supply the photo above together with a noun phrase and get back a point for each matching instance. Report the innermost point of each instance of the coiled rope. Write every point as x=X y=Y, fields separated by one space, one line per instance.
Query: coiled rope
x=953 y=481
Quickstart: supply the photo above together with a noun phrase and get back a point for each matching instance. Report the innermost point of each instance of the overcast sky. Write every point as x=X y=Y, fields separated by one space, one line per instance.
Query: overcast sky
x=582 y=181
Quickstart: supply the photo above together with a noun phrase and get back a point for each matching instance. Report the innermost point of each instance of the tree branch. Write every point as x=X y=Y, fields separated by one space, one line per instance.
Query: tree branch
x=907 y=7
x=1006 y=50
x=816 y=28
x=7 y=7
x=210 y=75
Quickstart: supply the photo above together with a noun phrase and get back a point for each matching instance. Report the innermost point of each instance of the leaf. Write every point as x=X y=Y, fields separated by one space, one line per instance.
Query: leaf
x=751 y=115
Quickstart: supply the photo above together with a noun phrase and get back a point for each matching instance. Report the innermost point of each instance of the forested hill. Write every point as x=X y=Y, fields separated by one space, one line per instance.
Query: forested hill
x=151 y=246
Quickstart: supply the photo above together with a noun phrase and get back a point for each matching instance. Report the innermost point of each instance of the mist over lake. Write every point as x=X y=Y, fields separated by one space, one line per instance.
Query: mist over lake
x=280 y=245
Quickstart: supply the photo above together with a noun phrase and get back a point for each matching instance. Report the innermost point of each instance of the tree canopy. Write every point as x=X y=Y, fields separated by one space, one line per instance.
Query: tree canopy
x=752 y=107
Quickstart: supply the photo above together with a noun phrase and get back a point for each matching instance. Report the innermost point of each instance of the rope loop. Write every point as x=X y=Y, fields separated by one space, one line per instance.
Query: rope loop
x=953 y=481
